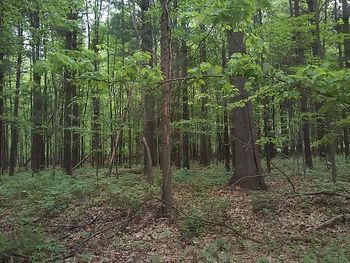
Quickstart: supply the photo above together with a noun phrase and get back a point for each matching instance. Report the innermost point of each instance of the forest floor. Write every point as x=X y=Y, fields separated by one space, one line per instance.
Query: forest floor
x=56 y=218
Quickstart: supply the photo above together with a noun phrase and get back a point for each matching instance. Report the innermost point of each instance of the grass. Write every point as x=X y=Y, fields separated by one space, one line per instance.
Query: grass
x=46 y=216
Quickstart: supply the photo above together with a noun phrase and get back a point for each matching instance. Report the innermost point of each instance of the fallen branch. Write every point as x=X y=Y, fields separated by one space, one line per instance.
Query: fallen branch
x=320 y=193
x=288 y=179
x=337 y=218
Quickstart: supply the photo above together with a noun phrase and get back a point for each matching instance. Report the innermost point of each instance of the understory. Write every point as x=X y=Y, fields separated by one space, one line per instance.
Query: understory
x=53 y=217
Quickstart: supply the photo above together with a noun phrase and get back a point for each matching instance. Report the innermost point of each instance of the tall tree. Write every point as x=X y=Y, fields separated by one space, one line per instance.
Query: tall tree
x=186 y=110
x=14 y=126
x=346 y=31
x=38 y=142
x=2 y=84
x=149 y=98
x=96 y=126
x=70 y=92
x=247 y=173
x=300 y=60
x=204 y=156
x=165 y=58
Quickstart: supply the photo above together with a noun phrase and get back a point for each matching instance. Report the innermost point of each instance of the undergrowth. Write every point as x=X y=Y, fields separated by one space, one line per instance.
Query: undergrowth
x=26 y=202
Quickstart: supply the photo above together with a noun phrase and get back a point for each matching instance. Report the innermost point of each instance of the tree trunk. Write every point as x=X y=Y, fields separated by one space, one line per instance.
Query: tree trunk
x=247 y=172
x=186 y=110
x=331 y=148
x=346 y=138
x=14 y=126
x=38 y=145
x=226 y=139
x=2 y=126
x=149 y=99
x=69 y=93
x=166 y=146
x=300 y=60
x=346 y=30
x=204 y=156
x=95 y=125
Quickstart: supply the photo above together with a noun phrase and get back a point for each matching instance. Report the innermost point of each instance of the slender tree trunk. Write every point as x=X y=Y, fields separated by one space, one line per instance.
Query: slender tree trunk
x=149 y=99
x=267 y=131
x=2 y=84
x=331 y=148
x=2 y=126
x=204 y=157
x=247 y=172
x=14 y=126
x=166 y=145
x=346 y=30
x=346 y=138
x=226 y=139
x=96 y=126
x=185 y=110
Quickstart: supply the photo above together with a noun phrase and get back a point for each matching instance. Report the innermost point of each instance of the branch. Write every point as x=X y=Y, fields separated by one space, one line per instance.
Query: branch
x=342 y=217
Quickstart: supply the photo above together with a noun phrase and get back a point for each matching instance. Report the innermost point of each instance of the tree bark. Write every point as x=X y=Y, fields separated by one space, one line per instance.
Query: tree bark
x=149 y=99
x=96 y=126
x=204 y=155
x=2 y=126
x=38 y=145
x=331 y=148
x=300 y=60
x=70 y=92
x=346 y=30
x=247 y=173
x=14 y=126
x=186 y=110
x=166 y=90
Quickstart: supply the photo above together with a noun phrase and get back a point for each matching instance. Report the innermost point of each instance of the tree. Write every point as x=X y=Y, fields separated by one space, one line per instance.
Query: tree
x=165 y=59
x=70 y=110
x=204 y=157
x=14 y=126
x=247 y=173
x=38 y=142
x=149 y=98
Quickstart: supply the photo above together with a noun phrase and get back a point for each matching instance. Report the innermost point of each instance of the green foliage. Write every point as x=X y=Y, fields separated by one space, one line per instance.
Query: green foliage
x=217 y=251
x=29 y=242
x=192 y=226
x=333 y=252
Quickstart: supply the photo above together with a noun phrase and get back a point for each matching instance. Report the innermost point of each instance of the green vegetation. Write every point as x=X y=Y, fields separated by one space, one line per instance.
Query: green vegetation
x=41 y=215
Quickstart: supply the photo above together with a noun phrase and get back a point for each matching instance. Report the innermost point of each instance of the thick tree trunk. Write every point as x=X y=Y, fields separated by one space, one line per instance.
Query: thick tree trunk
x=247 y=172
x=38 y=145
x=14 y=126
x=300 y=60
x=69 y=114
x=166 y=146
